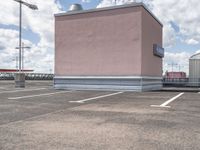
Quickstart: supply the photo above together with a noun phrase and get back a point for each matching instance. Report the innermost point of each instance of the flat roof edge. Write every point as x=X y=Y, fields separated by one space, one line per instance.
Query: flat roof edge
x=111 y=8
x=193 y=56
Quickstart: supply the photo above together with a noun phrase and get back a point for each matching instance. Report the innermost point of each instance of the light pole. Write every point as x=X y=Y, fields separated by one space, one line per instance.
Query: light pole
x=20 y=78
x=22 y=60
x=16 y=59
x=33 y=7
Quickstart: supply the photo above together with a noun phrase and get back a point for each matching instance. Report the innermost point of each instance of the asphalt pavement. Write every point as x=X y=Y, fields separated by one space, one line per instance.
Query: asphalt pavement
x=40 y=117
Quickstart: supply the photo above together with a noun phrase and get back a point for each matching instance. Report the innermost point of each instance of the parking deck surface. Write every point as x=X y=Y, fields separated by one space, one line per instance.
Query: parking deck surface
x=41 y=118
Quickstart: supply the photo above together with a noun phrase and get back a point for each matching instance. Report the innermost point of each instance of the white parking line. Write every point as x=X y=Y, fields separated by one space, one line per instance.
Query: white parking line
x=94 y=98
x=22 y=90
x=169 y=101
x=30 y=96
x=3 y=88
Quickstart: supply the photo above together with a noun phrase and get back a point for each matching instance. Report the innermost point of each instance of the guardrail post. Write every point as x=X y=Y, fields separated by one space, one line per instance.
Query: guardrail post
x=20 y=80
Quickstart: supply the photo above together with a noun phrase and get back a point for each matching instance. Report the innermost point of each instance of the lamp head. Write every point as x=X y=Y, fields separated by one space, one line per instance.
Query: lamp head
x=31 y=6
x=34 y=7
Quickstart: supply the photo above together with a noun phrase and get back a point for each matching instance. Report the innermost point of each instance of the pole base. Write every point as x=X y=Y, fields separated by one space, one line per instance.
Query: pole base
x=20 y=80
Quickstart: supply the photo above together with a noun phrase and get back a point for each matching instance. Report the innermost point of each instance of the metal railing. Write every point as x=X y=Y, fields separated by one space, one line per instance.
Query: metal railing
x=42 y=76
x=181 y=82
x=28 y=76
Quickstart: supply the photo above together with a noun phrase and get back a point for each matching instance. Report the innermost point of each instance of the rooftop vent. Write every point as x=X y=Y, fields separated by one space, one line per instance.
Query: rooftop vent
x=75 y=7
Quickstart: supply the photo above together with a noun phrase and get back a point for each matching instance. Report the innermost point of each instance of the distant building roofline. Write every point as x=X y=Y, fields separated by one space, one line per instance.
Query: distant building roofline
x=134 y=4
x=193 y=56
x=15 y=70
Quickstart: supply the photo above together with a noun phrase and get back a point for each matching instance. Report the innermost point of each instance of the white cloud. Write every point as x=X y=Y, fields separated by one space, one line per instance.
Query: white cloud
x=198 y=51
x=34 y=58
x=181 y=65
x=86 y=1
x=192 y=41
x=106 y=3
x=183 y=13
x=40 y=22
x=169 y=36
x=8 y=41
x=9 y=12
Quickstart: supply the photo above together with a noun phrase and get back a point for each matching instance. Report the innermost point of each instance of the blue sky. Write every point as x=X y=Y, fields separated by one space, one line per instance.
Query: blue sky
x=87 y=5
x=181 y=32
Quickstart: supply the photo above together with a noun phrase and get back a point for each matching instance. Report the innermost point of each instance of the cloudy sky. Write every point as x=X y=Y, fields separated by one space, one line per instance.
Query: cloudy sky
x=181 y=20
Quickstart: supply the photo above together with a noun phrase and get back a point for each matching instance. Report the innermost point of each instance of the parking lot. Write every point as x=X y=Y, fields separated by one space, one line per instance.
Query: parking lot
x=42 y=118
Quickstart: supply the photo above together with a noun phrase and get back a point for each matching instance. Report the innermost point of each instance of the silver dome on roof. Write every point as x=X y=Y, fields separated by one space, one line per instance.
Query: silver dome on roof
x=195 y=56
x=75 y=7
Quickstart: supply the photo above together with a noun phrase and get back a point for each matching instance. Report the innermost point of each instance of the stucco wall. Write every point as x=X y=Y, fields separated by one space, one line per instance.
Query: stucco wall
x=99 y=43
x=151 y=34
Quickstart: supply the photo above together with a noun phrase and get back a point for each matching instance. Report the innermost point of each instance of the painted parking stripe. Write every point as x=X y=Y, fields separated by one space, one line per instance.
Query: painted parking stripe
x=3 y=88
x=94 y=98
x=39 y=95
x=165 y=104
x=23 y=90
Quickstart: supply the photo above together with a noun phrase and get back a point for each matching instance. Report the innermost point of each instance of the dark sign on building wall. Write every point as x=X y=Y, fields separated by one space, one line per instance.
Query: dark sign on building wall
x=158 y=50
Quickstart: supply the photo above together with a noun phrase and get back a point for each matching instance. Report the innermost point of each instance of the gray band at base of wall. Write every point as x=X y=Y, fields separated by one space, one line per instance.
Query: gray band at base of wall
x=112 y=84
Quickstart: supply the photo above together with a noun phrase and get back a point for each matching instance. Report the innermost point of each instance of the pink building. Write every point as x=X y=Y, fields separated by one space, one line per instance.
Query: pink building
x=112 y=48
x=175 y=75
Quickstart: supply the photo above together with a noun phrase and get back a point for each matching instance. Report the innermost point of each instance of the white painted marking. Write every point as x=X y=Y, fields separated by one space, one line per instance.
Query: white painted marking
x=22 y=90
x=94 y=98
x=169 y=101
x=3 y=88
x=46 y=94
x=159 y=106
